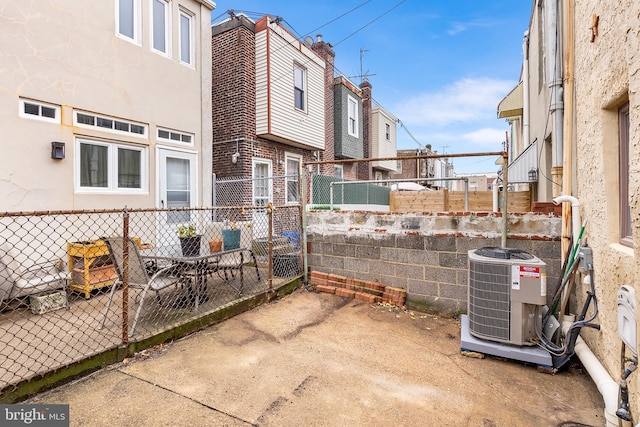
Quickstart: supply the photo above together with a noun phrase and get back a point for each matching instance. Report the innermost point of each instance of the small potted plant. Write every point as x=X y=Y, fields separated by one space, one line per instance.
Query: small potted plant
x=189 y=240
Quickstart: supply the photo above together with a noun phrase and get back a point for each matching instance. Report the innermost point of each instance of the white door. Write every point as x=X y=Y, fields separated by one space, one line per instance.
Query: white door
x=262 y=196
x=177 y=189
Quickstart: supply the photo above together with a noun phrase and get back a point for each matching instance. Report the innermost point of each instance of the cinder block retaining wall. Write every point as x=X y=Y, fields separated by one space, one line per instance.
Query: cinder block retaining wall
x=425 y=254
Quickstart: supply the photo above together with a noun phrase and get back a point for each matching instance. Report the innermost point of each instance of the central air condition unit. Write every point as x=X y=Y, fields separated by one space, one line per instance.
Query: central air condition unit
x=505 y=285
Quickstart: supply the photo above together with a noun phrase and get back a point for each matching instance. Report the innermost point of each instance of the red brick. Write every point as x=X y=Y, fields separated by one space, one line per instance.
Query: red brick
x=345 y=293
x=326 y=289
x=362 y=296
x=335 y=283
x=374 y=286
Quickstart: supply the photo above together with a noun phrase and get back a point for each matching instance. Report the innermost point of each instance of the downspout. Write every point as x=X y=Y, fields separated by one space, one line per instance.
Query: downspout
x=525 y=90
x=556 y=107
x=567 y=157
x=607 y=387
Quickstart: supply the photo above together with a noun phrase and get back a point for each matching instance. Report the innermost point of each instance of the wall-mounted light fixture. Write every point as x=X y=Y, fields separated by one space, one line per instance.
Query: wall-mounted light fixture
x=234 y=157
x=533 y=175
x=57 y=150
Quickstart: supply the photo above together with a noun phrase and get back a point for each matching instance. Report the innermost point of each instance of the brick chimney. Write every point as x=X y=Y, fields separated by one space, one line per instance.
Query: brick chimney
x=365 y=170
x=325 y=51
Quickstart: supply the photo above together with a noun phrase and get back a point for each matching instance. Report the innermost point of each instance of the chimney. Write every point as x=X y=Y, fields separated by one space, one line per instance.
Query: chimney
x=319 y=37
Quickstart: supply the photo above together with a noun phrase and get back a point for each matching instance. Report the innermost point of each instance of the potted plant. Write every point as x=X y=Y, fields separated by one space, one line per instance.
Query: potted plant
x=189 y=240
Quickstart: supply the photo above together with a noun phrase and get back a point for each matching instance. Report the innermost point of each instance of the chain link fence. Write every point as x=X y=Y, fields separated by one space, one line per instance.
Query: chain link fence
x=76 y=284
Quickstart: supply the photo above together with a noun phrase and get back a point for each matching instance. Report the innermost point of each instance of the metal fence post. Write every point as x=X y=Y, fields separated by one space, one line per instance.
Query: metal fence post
x=270 y=243
x=125 y=278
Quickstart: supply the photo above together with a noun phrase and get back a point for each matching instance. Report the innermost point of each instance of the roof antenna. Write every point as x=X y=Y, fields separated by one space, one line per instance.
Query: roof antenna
x=363 y=75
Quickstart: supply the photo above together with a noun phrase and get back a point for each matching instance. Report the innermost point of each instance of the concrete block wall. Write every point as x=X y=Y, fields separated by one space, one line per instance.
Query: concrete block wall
x=429 y=263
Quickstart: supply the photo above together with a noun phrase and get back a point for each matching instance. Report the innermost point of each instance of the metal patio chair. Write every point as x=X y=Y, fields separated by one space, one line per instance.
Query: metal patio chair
x=138 y=276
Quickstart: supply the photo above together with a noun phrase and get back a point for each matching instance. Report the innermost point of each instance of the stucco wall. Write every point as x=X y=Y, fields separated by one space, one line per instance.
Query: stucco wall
x=67 y=54
x=606 y=75
x=426 y=254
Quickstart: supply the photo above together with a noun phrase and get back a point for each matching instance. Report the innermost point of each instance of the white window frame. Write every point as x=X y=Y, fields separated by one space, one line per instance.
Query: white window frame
x=338 y=171
x=302 y=89
x=387 y=131
x=352 y=104
x=97 y=117
x=22 y=106
x=291 y=176
x=175 y=137
x=190 y=33
x=166 y=25
x=136 y=22
x=112 y=179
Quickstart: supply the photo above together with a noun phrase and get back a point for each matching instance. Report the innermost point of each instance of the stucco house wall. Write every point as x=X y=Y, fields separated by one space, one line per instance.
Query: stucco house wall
x=68 y=55
x=607 y=74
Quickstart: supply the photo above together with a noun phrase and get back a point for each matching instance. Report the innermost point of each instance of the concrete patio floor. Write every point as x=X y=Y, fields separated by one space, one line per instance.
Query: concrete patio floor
x=319 y=359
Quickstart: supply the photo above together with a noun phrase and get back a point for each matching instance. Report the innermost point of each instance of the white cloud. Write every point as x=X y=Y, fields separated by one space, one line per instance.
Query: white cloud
x=464 y=101
x=459 y=27
x=486 y=137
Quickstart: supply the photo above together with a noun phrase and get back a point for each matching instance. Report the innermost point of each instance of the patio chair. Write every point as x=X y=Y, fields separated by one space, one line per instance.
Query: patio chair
x=230 y=263
x=22 y=275
x=138 y=276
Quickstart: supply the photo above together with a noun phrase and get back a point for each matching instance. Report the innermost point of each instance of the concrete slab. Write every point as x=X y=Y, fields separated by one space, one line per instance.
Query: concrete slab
x=319 y=359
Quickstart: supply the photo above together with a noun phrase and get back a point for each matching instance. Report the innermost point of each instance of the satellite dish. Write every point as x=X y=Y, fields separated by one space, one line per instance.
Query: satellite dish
x=308 y=41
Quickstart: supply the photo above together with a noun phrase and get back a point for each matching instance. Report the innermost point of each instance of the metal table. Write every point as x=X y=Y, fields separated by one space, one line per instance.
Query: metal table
x=197 y=267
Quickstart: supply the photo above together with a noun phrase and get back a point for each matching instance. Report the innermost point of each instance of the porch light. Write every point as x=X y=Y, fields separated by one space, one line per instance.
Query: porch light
x=533 y=175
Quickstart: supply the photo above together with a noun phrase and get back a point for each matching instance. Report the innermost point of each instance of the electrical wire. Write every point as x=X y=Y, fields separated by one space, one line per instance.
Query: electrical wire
x=333 y=20
x=369 y=23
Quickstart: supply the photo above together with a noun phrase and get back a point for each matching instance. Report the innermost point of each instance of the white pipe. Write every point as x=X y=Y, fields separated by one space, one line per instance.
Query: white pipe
x=495 y=195
x=525 y=90
x=575 y=214
x=607 y=387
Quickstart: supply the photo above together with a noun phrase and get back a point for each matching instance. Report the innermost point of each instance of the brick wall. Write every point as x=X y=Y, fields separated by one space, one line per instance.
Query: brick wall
x=326 y=52
x=364 y=170
x=424 y=254
x=233 y=96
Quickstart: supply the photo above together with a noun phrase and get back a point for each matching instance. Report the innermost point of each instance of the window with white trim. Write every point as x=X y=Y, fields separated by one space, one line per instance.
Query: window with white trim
x=174 y=136
x=106 y=167
x=128 y=20
x=111 y=124
x=626 y=234
x=300 y=87
x=338 y=171
x=399 y=166
x=292 y=172
x=387 y=131
x=160 y=27
x=39 y=110
x=186 y=38
x=352 y=116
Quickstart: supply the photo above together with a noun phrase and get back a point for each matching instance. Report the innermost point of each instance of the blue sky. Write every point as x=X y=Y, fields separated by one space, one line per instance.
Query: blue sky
x=440 y=67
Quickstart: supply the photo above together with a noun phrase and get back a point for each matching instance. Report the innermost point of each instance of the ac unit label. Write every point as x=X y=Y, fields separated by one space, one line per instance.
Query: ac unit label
x=519 y=272
x=529 y=271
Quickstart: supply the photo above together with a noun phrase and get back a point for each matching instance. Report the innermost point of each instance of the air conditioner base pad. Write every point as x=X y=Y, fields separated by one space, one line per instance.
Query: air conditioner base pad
x=535 y=355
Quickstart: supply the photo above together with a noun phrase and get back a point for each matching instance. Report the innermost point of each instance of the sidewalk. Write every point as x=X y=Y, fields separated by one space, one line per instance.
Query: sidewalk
x=319 y=359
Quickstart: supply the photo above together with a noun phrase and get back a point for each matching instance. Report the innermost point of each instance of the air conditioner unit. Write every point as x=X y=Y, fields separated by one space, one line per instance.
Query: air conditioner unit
x=505 y=285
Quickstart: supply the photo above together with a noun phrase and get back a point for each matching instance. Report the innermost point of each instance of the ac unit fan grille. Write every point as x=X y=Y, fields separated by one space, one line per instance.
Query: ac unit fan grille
x=489 y=300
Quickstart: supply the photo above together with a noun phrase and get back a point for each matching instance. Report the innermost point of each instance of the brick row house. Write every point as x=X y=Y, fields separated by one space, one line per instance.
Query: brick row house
x=277 y=105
